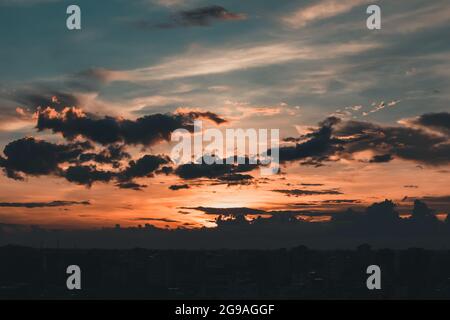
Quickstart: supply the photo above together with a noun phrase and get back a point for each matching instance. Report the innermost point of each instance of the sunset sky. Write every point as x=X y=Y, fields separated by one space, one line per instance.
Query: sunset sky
x=367 y=112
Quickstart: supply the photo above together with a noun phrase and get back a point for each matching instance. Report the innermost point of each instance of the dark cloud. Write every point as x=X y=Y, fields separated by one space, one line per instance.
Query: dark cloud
x=341 y=201
x=131 y=185
x=203 y=16
x=113 y=154
x=438 y=121
x=304 y=192
x=242 y=212
x=335 y=139
x=147 y=130
x=155 y=219
x=22 y=103
x=291 y=139
x=382 y=213
x=316 y=146
x=441 y=203
x=229 y=211
x=236 y=179
x=314 y=162
x=330 y=206
x=403 y=142
x=87 y=175
x=29 y=156
x=30 y=205
x=194 y=170
x=206 y=114
x=37 y=157
x=165 y=170
x=143 y=167
x=422 y=213
x=382 y=158
x=176 y=187
x=31 y=99
x=440 y=199
x=214 y=170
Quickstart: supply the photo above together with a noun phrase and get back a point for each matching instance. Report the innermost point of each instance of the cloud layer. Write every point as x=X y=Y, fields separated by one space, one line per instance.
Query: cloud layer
x=336 y=139
x=147 y=130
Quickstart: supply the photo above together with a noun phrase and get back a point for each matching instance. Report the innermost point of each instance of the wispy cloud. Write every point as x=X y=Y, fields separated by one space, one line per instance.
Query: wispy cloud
x=382 y=105
x=202 y=16
x=321 y=10
x=435 y=14
x=304 y=192
x=30 y=205
x=204 y=61
x=167 y=3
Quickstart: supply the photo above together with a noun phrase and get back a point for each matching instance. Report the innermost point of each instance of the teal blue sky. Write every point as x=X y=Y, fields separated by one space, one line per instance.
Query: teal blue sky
x=404 y=61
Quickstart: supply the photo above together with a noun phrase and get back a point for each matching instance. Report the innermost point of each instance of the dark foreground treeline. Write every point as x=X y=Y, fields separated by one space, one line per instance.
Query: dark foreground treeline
x=297 y=273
